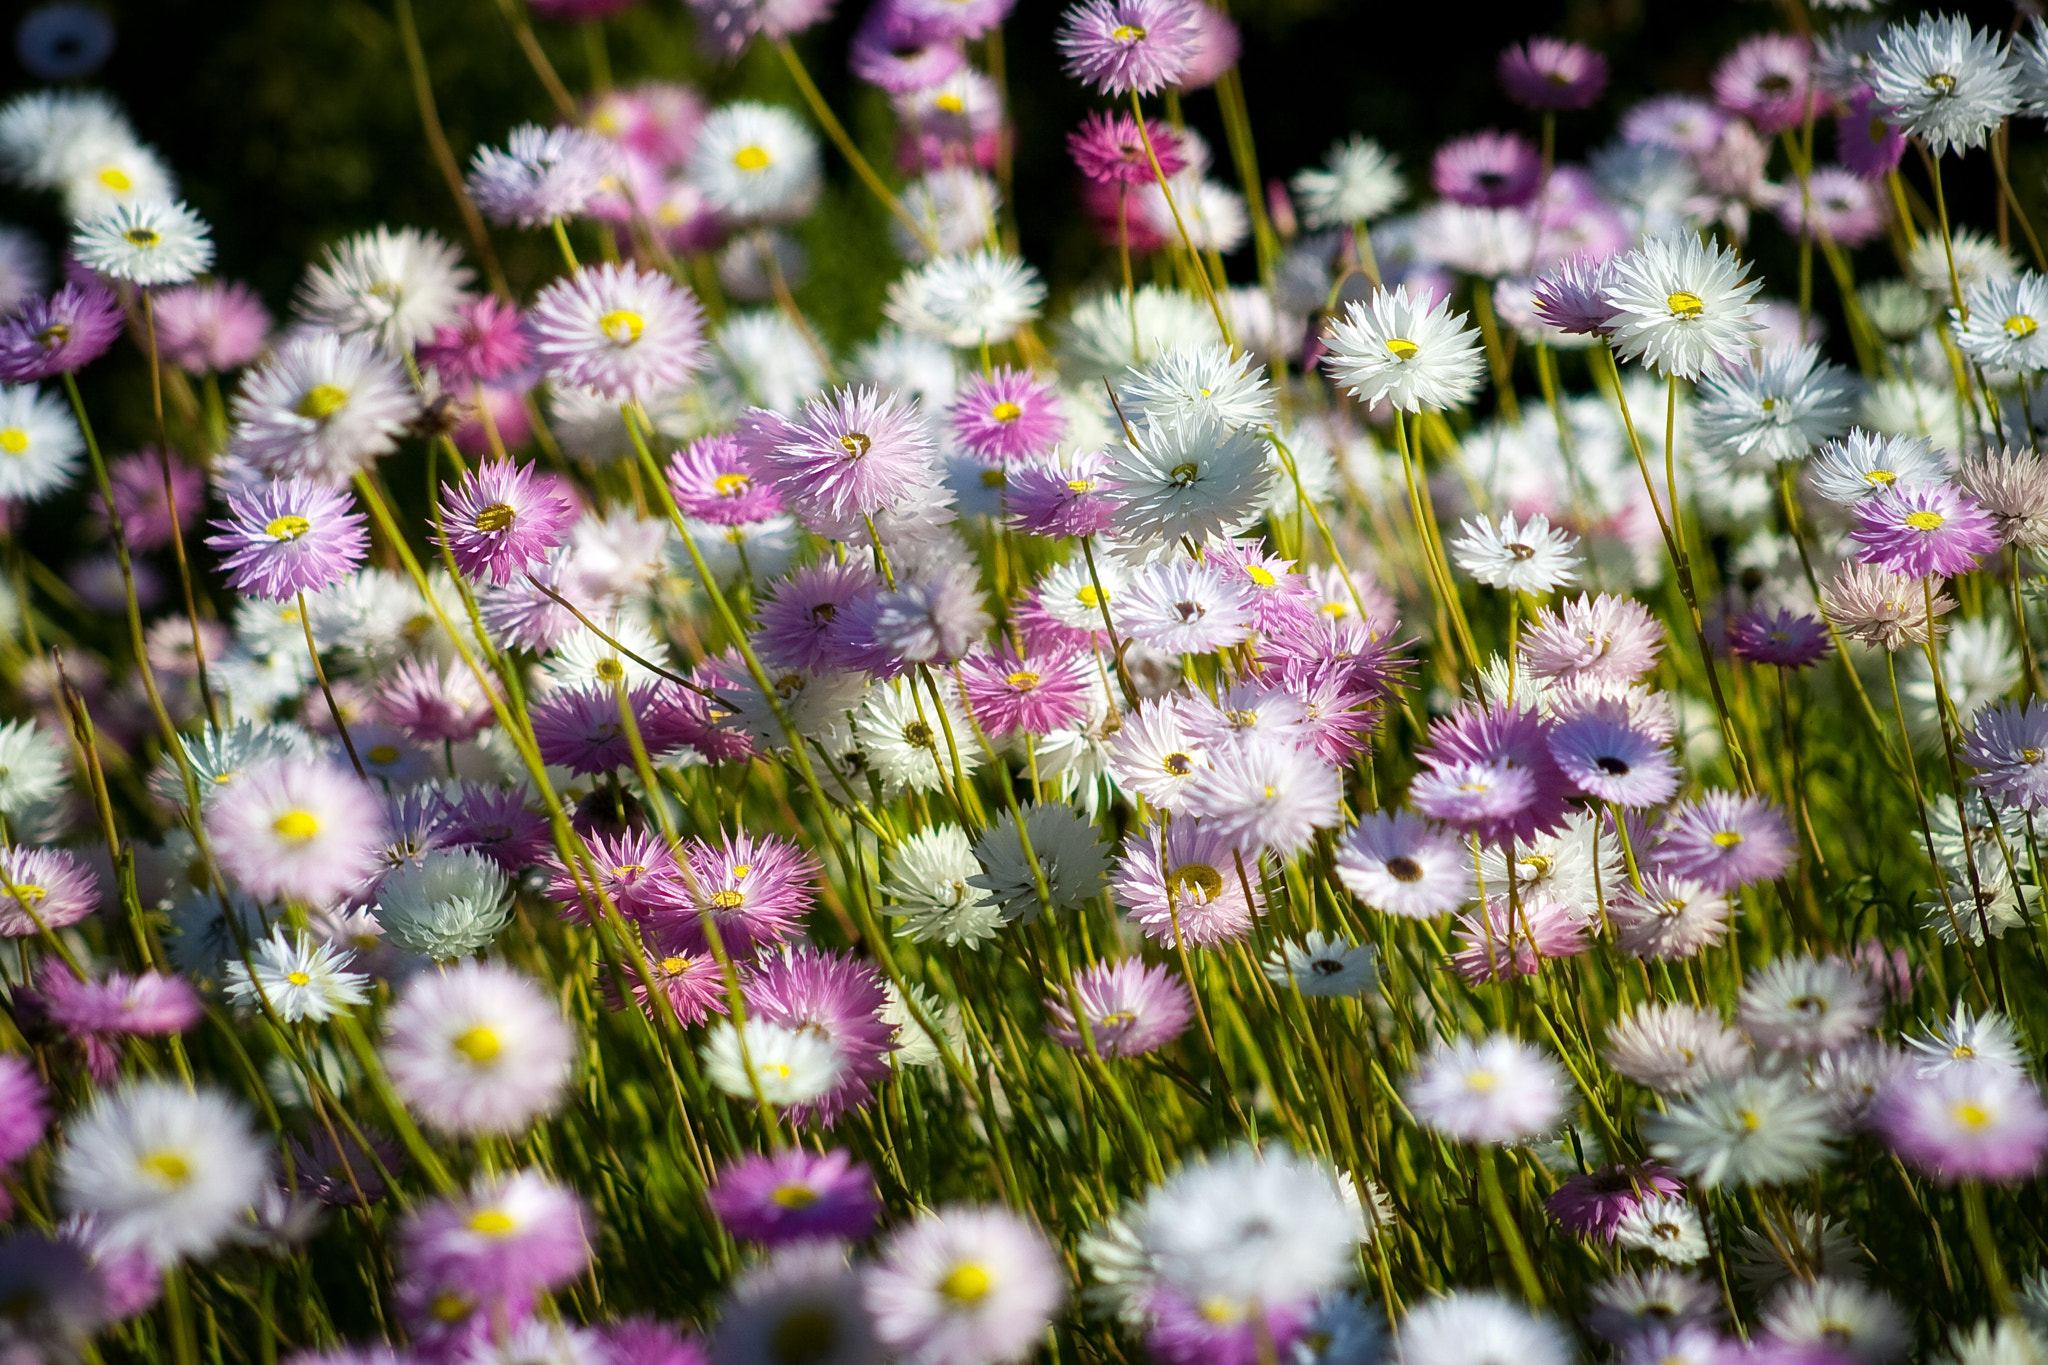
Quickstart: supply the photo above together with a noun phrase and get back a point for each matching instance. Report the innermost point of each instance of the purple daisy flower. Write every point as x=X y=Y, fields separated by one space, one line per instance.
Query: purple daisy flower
x=1612 y=760
x=635 y=870
x=58 y=334
x=1781 y=638
x=896 y=52
x=1594 y=1205
x=1572 y=296
x=432 y=703
x=486 y=342
x=1109 y=149
x=210 y=328
x=1069 y=496
x=693 y=984
x=2008 y=745
x=1723 y=841
x=496 y=822
x=1009 y=694
x=1765 y=80
x=1550 y=73
x=1117 y=47
x=580 y=729
x=138 y=483
x=630 y=334
x=1131 y=1008
x=1603 y=638
x=504 y=519
x=755 y=888
x=1926 y=531
x=1007 y=416
x=521 y=616
x=1517 y=743
x=1183 y=1332
x=298 y=829
x=806 y=625
x=44 y=888
x=795 y=1194
x=1194 y=880
x=1503 y=939
x=840 y=997
x=1975 y=1122
x=24 y=1108
x=1487 y=170
x=847 y=456
x=934 y=620
x=1868 y=143
x=520 y=1235
x=1484 y=796
x=292 y=536
x=714 y=481
x=148 y=1004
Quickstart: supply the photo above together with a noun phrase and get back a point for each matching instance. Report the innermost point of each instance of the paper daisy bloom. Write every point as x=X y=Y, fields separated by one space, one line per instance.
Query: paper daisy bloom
x=755 y=888
x=1943 y=81
x=40 y=445
x=1665 y=1226
x=1185 y=607
x=210 y=328
x=1188 y=887
x=148 y=243
x=1610 y=759
x=2008 y=745
x=1123 y=47
x=477 y=1048
x=1034 y=696
x=1487 y=170
x=1108 y=149
x=1572 y=296
x=978 y=298
x=1865 y=465
x=297 y=829
x=1675 y=1049
x=1267 y=794
x=628 y=334
x=291 y=975
x=963 y=1286
x=1533 y=557
x=756 y=163
x=281 y=539
x=793 y=1195
x=161 y=1169
x=1187 y=382
x=324 y=408
x=803 y=1293
x=1064 y=845
x=1778 y=407
x=1781 y=638
x=504 y=1239
x=1670 y=918
x=544 y=175
x=1725 y=840
x=1131 y=1008
x=715 y=481
x=1401 y=864
x=2003 y=329
x=447 y=904
x=1192 y=478
x=1929 y=531
x=1407 y=352
x=1156 y=756
x=791 y=1066
x=1358 y=182
x=1682 y=306
x=43 y=889
x=1497 y=1090
x=396 y=288
x=1750 y=1130
x=1592 y=1205
x=1550 y=73
x=56 y=335
x=1807 y=1004
x=1323 y=967
x=1008 y=416
x=503 y=520
x=846 y=456
x=1974 y=1122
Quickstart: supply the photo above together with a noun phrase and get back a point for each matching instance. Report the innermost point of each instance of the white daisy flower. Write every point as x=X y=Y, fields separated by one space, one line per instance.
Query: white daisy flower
x=40 y=445
x=1072 y=859
x=792 y=1066
x=1405 y=351
x=31 y=767
x=42 y=133
x=1779 y=407
x=109 y=172
x=980 y=298
x=1674 y=1049
x=1838 y=1316
x=955 y=205
x=1752 y=1130
x=449 y=904
x=1807 y=1004
x=2003 y=330
x=162 y=1169
x=769 y=363
x=1667 y=1228
x=1360 y=182
x=930 y=884
x=1943 y=81
x=1213 y=214
x=396 y=287
x=297 y=978
x=1966 y=1039
x=1478 y=1327
x=756 y=163
x=583 y=657
x=1533 y=557
x=1156 y=755
x=1190 y=478
x=904 y=734
x=1862 y=465
x=1324 y=966
x=1682 y=306
x=543 y=175
x=149 y=243
x=324 y=407
x=1978 y=256
x=1198 y=382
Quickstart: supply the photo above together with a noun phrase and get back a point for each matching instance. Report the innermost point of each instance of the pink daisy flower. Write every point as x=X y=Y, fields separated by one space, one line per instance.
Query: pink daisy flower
x=138 y=482
x=793 y=1195
x=1067 y=496
x=692 y=984
x=1108 y=149
x=486 y=342
x=1765 y=80
x=432 y=703
x=1131 y=1008
x=297 y=829
x=1512 y=940
x=1498 y=1089
x=634 y=869
x=1976 y=1122
x=1196 y=881
x=1009 y=694
x=24 y=1108
x=755 y=888
x=520 y=1235
x=1116 y=47
x=1487 y=170
x=847 y=456
x=1007 y=416
x=210 y=328
x=840 y=997
x=805 y=625
x=580 y=728
x=1572 y=296
x=1925 y=531
x=894 y=51
x=1723 y=841
x=1593 y=1205
x=281 y=539
x=628 y=333
x=56 y=335
x=714 y=481
x=496 y=822
x=1515 y=744
x=44 y=888
x=504 y=518
x=1183 y=1332
x=1604 y=637
x=1550 y=73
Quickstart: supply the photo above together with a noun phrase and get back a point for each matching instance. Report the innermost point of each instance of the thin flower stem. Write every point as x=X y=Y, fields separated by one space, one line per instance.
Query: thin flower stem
x=163 y=455
x=320 y=673
x=836 y=130
x=1159 y=176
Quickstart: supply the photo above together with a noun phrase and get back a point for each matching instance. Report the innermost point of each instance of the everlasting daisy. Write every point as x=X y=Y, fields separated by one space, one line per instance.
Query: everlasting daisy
x=1497 y=1090
x=503 y=519
x=1682 y=306
x=1781 y=638
x=43 y=889
x=1405 y=351
x=1192 y=478
x=290 y=537
x=805 y=1294
x=1503 y=938
x=1932 y=530
x=40 y=445
x=631 y=335
x=2008 y=745
x=1778 y=407
x=1669 y=918
x=1766 y=81
x=1966 y=1123
x=1266 y=793
x=1592 y=1205
x=1551 y=73
x=795 y=1195
x=849 y=455
x=2001 y=327
x=1675 y=1049
x=1471 y=1327
x=1197 y=382
x=1109 y=150
x=756 y=163
x=963 y=1286
x=1602 y=638
x=298 y=829
x=1532 y=557
x=66 y=331
x=1122 y=47
x=325 y=407
x=210 y=328
x=1184 y=607
x=1009 y=694
x=152 y=242
x=477 y=1048
x=502 y=1239
x=1835 y=1316
x=1008 y=416
x=928 y=885
x=1403 y=865
x=937 y=620
x=1613 y=760
x=1358 y=182
x=1487 y=170
x=1807 y=1004
x=544 y=175
x=1660 y=1309
x=791 y=1066
x=162 y=1169
x=396 y=288
x=1186 y=887
x=1156 y=756
x=1750 y=1130
x=1724 y=841
x=1323 y=966
x=1839 y=205
x=486 y=341
x=1968 y=1040
x=977 y=298
x=755 y=888
x=447 y=905
x=1131 y=1008
x=2012 y=486
x=714 y=480
x=1572 y=296
x=1666 y=1227
x=1069 y=856
x=1880 y=608
x=1943 y=81
x=296 y=978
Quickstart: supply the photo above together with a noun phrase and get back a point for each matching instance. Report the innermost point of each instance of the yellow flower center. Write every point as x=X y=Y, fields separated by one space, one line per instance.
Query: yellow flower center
x=1925 y=521
x=950 y=102
x=1941 y=82
x=993 y=478
x=856 y=443
x=752 y=158
x=1403 y=348
x=491 y=1223
x=794 y=1197
x=1883 y=478
x=1023 y=680
x=1006 y=412
x=1128 y=33
x=298 y=978
x=622 y=326
x=2030 y=755
x=1685 y=304
x=1198 y=878
x=969 y=1282
x=29 y=894
x=495 y=518
x=1261 y=576
x=727 y=899
x=740 y=871
x=2020 y=325
x=1971 y=1115
x=673 y=964
x=13 y=440
x=322 y=401
x=1727 y=838
x=1179 y=764
x=296 y=825
x=167 y=1168
x=480 y=1044
x=382 y=753
x=609 y=670
x=731 y=485
x=1080 y=485
x=287 y=527
x=142 y=237
x=1184 y=474
x=1481 y=1081
x=1751 y=1120
x=1088 y=595
x=449 y=1306
x=116 y=179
